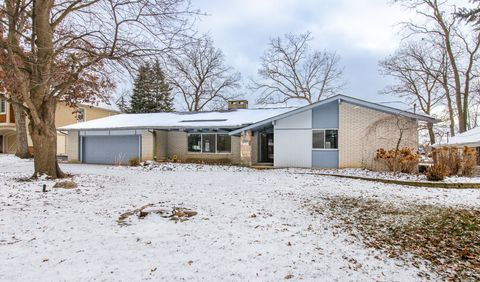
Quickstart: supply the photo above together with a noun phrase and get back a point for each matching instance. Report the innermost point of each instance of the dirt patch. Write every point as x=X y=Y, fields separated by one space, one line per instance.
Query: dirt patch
x=448 y=238
x=175 y=214
x=67 y=184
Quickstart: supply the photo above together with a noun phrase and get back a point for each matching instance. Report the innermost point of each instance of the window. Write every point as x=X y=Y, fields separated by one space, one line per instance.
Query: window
x=194 y=143
x=325 y=139
x=3 y=106
x=224 y=143
x=210 y=143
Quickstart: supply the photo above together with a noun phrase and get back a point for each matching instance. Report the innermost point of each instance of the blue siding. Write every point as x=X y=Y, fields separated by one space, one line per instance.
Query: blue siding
x=325 y=116
x=325 y=158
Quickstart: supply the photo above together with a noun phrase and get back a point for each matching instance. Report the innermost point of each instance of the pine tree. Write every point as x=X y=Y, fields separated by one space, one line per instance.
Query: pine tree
x=151 y=93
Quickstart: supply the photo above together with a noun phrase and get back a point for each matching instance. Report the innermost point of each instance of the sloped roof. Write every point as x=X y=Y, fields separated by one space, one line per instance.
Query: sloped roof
x=468 y=138
x=344 y=98
x=221 y=119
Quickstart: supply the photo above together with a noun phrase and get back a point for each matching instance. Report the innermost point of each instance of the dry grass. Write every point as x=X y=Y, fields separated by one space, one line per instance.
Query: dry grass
x=448 y=238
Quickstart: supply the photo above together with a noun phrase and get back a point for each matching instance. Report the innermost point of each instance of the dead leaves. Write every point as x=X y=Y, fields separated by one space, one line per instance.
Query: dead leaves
x=175 y=214
x=448 y=238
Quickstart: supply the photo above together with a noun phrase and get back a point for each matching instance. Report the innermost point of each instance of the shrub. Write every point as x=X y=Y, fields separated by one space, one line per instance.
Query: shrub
x=135 y=161
x=174 y=158
x=217 y=161
x=469 y=161
x=453 y=161
x=403 y=160
x=435 y=172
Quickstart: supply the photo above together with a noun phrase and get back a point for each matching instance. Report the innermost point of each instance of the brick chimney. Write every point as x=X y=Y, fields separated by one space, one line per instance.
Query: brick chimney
x=237 y=104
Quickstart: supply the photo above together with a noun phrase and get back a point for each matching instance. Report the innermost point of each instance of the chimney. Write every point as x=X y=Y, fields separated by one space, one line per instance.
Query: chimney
x=237 y=104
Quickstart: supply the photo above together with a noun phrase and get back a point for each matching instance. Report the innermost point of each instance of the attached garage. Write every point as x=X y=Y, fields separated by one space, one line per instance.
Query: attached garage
x=110 y=149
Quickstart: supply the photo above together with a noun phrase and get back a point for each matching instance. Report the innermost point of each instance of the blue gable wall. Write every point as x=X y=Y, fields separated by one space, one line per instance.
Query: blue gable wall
x=325 y=116
x=325 y=158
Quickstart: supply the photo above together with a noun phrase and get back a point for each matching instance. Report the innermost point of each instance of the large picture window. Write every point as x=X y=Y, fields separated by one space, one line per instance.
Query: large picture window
x=325 y=139
x=210 y=143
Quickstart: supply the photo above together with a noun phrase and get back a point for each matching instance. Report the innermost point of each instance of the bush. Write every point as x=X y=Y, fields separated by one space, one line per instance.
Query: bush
x=403 y=160
x=217 y=161
x=452 y=161
x=135 y=161
x=469 y=162
x=435 y=172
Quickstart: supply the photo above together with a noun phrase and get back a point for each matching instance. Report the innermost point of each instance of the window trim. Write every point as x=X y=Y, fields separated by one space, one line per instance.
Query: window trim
x=216 y=143
x=324 y=130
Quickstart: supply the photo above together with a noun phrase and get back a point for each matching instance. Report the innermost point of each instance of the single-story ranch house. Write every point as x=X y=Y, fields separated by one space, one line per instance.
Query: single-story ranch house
x=337 y=132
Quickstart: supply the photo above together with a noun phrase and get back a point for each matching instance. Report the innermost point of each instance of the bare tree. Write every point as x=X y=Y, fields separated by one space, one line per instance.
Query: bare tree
x=200 y=77
x=461 y=48
x=60 y=51
x=418 y=74
x=292 y=71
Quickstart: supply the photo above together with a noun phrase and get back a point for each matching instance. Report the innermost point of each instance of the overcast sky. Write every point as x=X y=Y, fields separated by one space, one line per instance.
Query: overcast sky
x=362 y=32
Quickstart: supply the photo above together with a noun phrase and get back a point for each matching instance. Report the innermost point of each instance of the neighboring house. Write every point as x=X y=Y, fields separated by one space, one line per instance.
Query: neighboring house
x=470 y=138
x=340 y=131
x=64 y=115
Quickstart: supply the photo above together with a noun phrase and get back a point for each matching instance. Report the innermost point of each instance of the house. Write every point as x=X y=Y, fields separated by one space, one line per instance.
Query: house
x=64 y=115
x=337 y=132
x=470 y=138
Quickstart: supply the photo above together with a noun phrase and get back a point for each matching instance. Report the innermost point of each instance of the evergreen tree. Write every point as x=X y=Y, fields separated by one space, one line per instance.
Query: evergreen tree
x=151 y=93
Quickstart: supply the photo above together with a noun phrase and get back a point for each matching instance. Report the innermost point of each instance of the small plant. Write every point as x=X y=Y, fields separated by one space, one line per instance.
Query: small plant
x=435 y=172
x=135 y=161
x=404 y=160
x=174 y=158
x=469 y=161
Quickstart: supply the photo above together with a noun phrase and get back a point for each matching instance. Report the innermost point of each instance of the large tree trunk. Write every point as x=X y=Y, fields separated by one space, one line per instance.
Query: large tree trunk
x=22 y=137
x=44 y=138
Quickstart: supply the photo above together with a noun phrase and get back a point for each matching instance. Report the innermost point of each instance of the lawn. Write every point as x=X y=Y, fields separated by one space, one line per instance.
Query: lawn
x=249 y=225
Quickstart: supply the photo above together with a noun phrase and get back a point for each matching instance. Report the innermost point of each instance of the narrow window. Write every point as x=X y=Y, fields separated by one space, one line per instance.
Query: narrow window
x=208 y=143
x=318 y=139
x=224 y=143
x=194 y=143
x=331 y=139
x=3 y=106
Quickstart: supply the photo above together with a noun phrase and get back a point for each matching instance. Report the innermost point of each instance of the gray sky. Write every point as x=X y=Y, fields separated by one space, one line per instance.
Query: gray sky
x=361 y=31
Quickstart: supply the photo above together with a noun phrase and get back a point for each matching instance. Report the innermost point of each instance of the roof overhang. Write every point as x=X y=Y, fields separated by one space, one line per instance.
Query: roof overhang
x=339 y=99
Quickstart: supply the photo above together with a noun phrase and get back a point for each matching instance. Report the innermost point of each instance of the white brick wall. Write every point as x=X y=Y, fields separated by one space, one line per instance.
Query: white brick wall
x=72 y=146
x=147 y=145
x=362 y=131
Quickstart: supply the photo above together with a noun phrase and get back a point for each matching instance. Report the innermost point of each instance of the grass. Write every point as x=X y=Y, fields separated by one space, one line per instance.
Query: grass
x=446 y=237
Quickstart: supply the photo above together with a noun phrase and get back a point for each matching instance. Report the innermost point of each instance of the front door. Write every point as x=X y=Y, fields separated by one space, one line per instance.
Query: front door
x=265 y=147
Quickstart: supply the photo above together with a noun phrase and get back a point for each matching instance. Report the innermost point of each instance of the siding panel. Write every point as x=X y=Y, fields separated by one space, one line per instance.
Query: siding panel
x=293 y=148
x=325 y=116
x=301 y=120
x=325 y=158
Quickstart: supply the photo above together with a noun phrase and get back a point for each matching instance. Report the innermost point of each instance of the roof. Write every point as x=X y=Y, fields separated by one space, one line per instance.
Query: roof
x=109 y=106
x=170 y=120
x=343 y=98
x=468 y=138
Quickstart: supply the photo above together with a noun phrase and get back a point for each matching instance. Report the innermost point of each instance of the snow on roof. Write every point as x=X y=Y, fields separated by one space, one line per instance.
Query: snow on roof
x=222 y=119
x=467 y=138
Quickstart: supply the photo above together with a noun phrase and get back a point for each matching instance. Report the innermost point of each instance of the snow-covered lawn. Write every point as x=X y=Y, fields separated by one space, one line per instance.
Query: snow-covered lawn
x=391 y=175
x=251 y=225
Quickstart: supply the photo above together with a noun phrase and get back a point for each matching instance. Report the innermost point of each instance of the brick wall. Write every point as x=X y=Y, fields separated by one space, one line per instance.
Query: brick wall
x=362 y=131
x=147 y=145
x=72 y=146
x=161 y=143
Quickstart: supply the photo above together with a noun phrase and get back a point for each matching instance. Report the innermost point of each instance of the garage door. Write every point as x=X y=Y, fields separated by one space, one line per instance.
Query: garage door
x=110 y=149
